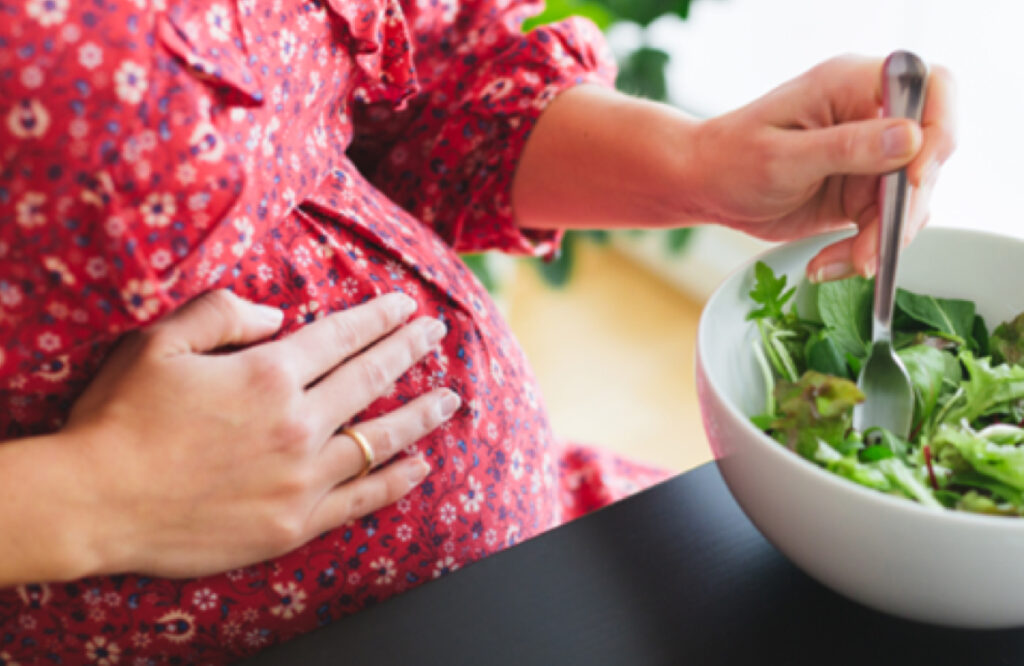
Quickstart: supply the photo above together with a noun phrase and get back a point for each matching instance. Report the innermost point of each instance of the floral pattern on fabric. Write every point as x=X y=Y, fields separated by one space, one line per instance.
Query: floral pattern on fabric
x=308 y=155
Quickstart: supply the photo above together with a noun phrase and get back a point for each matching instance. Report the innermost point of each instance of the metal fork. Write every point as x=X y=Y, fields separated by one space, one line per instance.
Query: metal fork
x=889 y=395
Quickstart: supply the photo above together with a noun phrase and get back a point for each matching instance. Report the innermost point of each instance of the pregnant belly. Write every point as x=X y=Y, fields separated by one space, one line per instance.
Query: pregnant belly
x=493 y=477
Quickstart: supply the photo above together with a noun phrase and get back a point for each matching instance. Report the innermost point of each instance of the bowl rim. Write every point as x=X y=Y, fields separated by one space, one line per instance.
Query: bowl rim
x=843 y=486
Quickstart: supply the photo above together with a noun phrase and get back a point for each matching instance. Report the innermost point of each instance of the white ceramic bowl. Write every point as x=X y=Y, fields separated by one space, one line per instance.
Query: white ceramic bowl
x=893 y=555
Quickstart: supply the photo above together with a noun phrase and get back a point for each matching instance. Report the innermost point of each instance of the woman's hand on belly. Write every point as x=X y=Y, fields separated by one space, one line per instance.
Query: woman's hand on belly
x=198 y=462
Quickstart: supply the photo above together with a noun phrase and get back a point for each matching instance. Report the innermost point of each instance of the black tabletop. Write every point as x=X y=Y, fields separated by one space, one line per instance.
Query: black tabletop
x=673 y=575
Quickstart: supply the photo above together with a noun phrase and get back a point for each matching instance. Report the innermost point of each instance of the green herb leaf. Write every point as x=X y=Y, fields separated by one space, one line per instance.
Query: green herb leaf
x=949 y=315
x=769 y=292
x=875 y=452
x=845 y=308
x=887 y=439
x=979 y=337
x=823 y=355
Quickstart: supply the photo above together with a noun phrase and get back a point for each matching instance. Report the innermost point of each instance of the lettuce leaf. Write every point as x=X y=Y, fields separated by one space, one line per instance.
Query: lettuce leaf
x=1007 y=341
x=988 y=390
x=816 y=407
x=995 y=451
x=933 y=372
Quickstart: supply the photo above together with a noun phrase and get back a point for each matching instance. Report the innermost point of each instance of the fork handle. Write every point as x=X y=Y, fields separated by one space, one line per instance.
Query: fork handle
x=903 y=88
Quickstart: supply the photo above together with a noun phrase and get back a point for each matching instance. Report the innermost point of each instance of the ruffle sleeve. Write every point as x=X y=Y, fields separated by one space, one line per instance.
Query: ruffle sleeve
x=448 y=153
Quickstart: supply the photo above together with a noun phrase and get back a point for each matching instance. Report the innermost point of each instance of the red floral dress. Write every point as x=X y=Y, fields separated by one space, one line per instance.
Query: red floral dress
x=306 y=154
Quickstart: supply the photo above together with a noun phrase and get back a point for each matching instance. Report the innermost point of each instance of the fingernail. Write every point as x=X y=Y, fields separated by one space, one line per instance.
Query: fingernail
x=871 y=268
x=896 y=141
x=450 y=402
x=270 y=315
x=834 y=271
x=418 y=470
x=434 y=329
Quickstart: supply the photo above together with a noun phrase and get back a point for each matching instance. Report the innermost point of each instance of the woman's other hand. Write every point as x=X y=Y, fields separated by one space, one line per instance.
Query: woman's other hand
x=199 y=462
x=806 y=158
x=802 y=160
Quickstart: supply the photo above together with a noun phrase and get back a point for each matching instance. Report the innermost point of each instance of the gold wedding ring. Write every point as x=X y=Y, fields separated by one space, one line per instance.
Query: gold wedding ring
x=358 y=438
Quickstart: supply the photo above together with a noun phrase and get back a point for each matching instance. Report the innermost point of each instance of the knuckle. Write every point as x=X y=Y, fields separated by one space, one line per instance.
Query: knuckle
x=429 y=415
x=226 y=309
x=294 y=433
x=368 y=497
x=271 y=375
x=375 y=374
x=771 y=163
x=416 y=346
x=285 y=530
x=387 y=442
x=827 y=69
x=296 y=485
x=844 y=148
x=383 y=316
x=394 y=488
x=358 y=504
x=149 y=341
x=222 y=301
x=343 y=333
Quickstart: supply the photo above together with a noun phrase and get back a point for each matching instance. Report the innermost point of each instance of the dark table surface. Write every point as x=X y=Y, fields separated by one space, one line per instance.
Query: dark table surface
x=673 y=575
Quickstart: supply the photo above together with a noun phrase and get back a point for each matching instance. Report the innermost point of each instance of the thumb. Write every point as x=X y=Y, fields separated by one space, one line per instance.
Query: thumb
x=214 y=320
x=861 y=147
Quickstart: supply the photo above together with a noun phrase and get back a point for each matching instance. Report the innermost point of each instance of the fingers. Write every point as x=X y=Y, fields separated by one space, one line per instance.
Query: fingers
x=938 y=121
x=831 y=115
x=362 y=496
x=213 y=320
x=342 y=458
x=858 y=254
x=319 y=347
x=850 y=256
x=357 y=383
x=840 y=89
x=861 y=147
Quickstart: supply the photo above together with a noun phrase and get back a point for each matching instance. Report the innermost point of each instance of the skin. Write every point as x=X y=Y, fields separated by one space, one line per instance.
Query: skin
x=132 y=486
x=801 y=160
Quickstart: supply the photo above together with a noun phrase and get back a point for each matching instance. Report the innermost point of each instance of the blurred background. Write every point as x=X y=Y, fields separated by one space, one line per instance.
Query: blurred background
x=630 y=302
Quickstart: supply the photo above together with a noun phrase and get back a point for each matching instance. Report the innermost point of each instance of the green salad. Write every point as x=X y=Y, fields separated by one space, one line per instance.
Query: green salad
x=966 y=447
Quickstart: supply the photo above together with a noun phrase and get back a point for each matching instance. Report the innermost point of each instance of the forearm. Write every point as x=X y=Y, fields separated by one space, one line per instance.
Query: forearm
x=601 y=159
x=44 y=512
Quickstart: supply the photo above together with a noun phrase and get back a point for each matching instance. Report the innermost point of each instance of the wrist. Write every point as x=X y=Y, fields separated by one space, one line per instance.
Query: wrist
x=601 y=159
x=673 y=183
x=704 y=173
x=97 y=531
x=692 y=169
x=44 y=512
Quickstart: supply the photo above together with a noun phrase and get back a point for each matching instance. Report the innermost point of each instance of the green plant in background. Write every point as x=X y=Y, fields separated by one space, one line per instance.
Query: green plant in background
x=642 y=73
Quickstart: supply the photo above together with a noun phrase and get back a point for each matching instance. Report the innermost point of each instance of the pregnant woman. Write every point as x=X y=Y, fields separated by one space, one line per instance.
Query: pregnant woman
x=246 y=385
